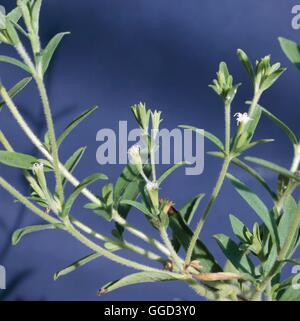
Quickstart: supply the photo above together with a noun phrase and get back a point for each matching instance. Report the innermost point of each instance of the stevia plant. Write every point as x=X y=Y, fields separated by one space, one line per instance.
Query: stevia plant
x=255 y=258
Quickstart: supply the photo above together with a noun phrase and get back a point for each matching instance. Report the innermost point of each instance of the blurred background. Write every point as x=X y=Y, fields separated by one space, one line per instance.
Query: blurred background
x=119 y=53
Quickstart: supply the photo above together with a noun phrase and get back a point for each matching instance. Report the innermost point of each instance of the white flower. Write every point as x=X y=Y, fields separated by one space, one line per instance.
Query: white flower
x=37 y=167
x=134 y=151
x=151 y=186
x=242 y=118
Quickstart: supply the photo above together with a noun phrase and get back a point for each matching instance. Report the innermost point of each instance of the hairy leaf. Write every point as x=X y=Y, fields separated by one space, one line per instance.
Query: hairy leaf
x=50 y=49
x=140 y=277
x=75 y=122
x=18 y=234
x=18 y=160
x=72 y=198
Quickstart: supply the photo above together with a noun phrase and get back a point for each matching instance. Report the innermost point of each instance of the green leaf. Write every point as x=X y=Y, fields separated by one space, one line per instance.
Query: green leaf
x=169 y=171
x=141 y=207
x=14 y=15
x=271 y=166
x=250 y=127
x=239 y=228
x=287 y=219
x=73 y=161
x=183 y=234
x=140 y=277
x=246 y=62
x=18 y=234
x=16 y=89
x=282 y=125
x=257 y=205
x=72 y=267
x=237 y=257
x=14 y=62
x=50 y=49
x=291 y=50
x=256 y=175
x=17 y=160
x=294 y=261
x=35 y=14
x=214 y=139
x=87 y=181
x=128 y=187
x=2 y=18
x=255 y=143
x=74 y=124
x=290 y=294
x=187 y=212
x=267 y=83
x=189 y=209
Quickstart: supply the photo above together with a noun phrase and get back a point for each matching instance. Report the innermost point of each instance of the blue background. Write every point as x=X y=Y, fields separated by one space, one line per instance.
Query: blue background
x=119 y=53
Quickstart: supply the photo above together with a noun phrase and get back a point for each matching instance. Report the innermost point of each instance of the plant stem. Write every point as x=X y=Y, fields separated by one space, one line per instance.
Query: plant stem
x=38 y=77
x=283 y=253
x=52 y=137
x=9 y=188
x=164 y=235
x=227 y=127
x=213 y=197
x=5 y=142
x=124 y=244
x=69 y=228
x=113 y=257
x=120 y=220
x=89 y=195
x=296 y=160
x=217 y=188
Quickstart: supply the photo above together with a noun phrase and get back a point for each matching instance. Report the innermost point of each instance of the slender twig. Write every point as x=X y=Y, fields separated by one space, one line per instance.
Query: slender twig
x=217 y=187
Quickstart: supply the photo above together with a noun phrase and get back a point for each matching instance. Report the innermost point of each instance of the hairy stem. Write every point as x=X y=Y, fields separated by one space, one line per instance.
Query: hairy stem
x=52 y=137
x=217 y=188
x=123 y=244
x=70 y=228
x=89 y=195
x=49 y=120
x=177 y=260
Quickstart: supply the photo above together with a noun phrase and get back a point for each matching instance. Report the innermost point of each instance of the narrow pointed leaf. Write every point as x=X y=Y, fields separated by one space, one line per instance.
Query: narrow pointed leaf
x=18 y=234
x=14 y=62
x=73 y=161
x=189 y=209
x=183 y=234
x=257 y=205
x=72 y=267
x=75 y=123
x=246 y=62
x=238 y=227
x=50 y=49
x=128 y=187
x=72 y=198
x=17 y=160
x=281 y=124
x=214 y=139
x=14 y=15
x=141 y=207
x=291 y=50
x=140 y=277
x=169 y=171
x=256 y=175
x=237 y=257
x=187 y=212
x=16 y=89
x=272 y=167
